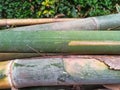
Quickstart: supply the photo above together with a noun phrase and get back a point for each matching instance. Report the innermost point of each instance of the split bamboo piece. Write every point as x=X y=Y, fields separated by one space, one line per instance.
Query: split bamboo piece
x=22 y=22
x=72 y=42
x=107 y=22
x=59 y=70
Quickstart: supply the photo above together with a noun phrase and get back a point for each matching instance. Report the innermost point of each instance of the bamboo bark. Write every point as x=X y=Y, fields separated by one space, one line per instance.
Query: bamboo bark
x=58 y=71
x=107 y=22
x=21 y=22
x=63 y=42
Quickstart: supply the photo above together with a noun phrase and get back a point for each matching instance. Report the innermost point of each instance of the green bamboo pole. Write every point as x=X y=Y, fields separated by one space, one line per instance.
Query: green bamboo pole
x=60 y=71
x=72 y=42
x=93 y=23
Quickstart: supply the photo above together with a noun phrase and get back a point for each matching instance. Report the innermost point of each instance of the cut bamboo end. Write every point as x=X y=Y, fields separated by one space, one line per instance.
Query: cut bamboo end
x=4 y=81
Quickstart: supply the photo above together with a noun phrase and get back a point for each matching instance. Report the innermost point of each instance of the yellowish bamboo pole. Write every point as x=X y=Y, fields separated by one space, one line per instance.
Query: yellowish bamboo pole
x=19 y=22
x=10 y=56
x=4 y=83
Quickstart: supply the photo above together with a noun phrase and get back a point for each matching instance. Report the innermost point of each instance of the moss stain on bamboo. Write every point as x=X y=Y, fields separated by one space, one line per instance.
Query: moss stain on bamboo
x=22 y=65
x=59 y=65
x=2 y=74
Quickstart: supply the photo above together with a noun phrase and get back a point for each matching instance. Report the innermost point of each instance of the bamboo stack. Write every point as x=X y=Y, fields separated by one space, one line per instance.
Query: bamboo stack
x=49 y=57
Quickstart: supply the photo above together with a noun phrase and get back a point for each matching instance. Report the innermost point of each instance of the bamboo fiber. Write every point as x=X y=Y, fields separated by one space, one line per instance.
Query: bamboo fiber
x=108 y=22
x=72 y=42
x=57 y=71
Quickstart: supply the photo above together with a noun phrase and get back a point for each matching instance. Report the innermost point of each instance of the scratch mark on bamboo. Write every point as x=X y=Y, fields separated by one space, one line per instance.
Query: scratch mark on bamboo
x=93 y=43
x=95 y=22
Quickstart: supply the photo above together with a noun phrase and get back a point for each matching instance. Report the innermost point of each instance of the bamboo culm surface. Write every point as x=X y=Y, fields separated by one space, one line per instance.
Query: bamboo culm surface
x=72 y=42
x=60 y=71
x=108 y=22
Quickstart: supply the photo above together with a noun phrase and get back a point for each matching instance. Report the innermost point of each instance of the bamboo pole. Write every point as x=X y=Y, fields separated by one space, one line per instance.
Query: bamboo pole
x=109 y=22
x=74 y=87
x=72 y=42
x=23 y=22
x=59 y=70
x=48 y=88
x=10 y=56
x=4 y=83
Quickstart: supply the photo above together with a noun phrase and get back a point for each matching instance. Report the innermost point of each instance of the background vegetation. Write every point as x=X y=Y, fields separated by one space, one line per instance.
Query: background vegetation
x=52 y=8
